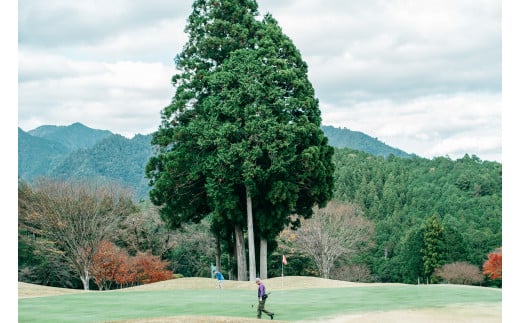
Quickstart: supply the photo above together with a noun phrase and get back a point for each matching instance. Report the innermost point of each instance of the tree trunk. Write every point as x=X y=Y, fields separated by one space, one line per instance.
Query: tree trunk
x=218 y=254
x=251 y=238
x=263 y=258
x=85 y=277
x=241 y=254
x=231 y=265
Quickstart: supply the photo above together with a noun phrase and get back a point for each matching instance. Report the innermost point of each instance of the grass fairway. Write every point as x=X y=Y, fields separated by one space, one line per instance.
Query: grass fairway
x=237 y=303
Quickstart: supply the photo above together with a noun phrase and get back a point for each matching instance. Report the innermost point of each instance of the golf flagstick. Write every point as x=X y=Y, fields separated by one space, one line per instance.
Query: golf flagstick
x=284 y=261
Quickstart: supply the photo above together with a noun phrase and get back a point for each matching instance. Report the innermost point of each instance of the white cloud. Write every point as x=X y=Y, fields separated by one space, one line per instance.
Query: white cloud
x=424 y=77
x=58 y=24
x=430 y=126
x=393 y=51
x=124 y=97
x=157 y=42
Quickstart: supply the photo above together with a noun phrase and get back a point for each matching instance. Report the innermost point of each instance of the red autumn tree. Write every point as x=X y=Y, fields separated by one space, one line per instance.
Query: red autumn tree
x=493 y=265
x=107 y=263
x=150 y=269
x=126 y=275
x=111 y=264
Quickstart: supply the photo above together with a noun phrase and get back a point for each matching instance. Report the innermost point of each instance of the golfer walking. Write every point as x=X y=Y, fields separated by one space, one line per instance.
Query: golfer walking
x=262 y=297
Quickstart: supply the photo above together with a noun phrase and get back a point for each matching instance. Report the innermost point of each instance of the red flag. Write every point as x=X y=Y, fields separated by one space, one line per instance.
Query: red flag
x=284 y=261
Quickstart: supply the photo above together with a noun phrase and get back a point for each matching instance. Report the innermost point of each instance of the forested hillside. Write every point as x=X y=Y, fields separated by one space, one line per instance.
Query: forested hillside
x=43 y=149
x=402 y=194
x=345 y=138
x=74 y=136
x=79 y=151
x=36 y=156
x=406 y=198
x=114 y=158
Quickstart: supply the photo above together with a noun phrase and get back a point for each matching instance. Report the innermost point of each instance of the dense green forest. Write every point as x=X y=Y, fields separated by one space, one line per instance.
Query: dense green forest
x=112 y=158
x=401 y=196
x=99 y=154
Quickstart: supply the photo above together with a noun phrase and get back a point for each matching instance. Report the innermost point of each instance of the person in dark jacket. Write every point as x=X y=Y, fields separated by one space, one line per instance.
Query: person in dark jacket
x=262 y=297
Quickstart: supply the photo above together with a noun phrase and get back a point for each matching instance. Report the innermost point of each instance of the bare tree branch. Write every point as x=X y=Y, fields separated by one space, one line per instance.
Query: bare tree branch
x=334 y=231
x=76 y=217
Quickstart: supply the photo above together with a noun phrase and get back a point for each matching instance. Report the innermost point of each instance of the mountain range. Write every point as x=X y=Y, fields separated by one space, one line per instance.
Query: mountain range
x=77 y=151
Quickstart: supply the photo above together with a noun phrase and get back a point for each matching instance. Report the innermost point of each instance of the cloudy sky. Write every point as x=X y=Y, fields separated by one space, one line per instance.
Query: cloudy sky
x=422 y=76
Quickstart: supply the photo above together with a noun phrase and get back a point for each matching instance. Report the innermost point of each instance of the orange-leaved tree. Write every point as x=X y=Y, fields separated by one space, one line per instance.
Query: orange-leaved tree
x=150 y=269
x=108 y=262
x=112 y=264
x=493 y=265
x=126 y=275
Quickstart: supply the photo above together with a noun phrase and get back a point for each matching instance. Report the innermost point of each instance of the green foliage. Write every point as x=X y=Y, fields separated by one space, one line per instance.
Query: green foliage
x=400 y=194
x=40 y=262
x=43 y=149
x=78 y=152
x=297 y=265
x=194 y=251
x=114 y=158
x=243 y=123
x=36 y=156
x=408 y=256
x=434 y=249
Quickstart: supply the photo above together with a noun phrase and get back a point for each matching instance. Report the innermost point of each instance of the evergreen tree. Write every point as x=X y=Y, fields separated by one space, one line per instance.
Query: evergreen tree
x=242 y=132
x=410 y=256
x=180 y=181
x=434 y=250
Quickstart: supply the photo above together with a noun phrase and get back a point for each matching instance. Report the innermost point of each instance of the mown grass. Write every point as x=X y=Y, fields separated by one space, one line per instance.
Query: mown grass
x=289 y=305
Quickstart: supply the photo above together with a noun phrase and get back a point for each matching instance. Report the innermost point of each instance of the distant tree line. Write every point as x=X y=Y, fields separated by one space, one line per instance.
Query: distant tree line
x=450 y=206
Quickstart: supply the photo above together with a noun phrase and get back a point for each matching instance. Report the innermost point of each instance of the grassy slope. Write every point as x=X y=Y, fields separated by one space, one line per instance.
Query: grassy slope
x=293 y=299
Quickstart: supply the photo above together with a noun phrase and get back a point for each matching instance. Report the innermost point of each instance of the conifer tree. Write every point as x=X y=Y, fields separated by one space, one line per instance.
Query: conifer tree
x=242 y=135
x=433 y=250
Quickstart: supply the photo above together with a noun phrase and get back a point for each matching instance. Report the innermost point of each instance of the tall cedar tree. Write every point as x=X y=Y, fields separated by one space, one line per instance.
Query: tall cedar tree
x=242 y=131
x=297 y=161
x=434 y=250
x=177 y=171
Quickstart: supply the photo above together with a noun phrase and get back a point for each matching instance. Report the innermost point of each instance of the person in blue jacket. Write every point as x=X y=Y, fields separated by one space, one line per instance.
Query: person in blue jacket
x=220 y=279
x=262 y=297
